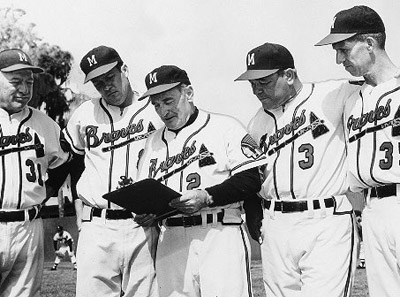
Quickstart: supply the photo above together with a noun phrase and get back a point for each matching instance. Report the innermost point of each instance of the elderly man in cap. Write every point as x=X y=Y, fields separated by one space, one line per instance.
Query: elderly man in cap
x=308 y=239
x=115 y=254
x=212 y=161
x=372 y=123
x=30 y=146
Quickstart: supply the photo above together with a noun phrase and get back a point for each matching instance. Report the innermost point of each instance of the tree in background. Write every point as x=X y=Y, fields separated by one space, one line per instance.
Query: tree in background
x=48 y=91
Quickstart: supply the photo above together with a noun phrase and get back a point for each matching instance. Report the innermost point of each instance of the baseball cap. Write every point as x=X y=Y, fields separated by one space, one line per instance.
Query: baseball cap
x=60 y=228
x=98 y=61
x=356 y=20
x=265 y=60
x=15 y=59
x=163 y=79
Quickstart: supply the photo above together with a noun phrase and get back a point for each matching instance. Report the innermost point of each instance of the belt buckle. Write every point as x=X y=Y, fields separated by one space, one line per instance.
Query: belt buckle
x=108 y=213
x=187 y=221
x=283 y=208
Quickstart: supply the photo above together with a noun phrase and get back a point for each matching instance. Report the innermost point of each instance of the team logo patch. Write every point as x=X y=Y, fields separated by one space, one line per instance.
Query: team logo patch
x=208 y=157
x=250 y=148
x=396 y=129
x=319 y=130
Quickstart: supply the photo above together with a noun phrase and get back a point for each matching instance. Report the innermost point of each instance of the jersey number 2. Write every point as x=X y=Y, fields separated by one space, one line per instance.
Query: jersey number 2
x=193 y=180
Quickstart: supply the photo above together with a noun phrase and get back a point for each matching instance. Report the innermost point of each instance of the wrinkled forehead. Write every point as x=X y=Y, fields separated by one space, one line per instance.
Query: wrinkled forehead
x=23 y=73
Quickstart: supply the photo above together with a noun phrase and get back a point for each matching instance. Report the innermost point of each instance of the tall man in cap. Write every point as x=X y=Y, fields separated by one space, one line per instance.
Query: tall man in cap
x=115 y=254
x=212 y=161
x=309 y=247
x=372 y=123
x=30 y=146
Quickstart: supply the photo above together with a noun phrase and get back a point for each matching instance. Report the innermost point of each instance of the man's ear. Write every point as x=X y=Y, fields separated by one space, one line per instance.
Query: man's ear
x=125 y=70
x=371 y=43
x=290 y=75
x=189 y=93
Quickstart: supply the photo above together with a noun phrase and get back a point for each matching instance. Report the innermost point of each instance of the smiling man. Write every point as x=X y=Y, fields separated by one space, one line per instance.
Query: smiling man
x=30 y=147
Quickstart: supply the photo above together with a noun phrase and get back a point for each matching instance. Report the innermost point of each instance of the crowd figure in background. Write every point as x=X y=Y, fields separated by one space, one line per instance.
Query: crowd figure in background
x=63 y=244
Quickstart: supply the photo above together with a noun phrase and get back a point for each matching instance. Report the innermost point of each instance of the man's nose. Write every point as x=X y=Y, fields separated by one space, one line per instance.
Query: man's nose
x=25 y=88
x=339 y=57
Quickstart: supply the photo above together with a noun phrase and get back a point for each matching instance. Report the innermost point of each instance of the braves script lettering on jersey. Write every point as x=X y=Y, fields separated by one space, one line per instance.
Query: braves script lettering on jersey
x=112 y=138
x=305 y=142
x=30 y=145
x=111 y=141
x=373 y=118
x=202 y=154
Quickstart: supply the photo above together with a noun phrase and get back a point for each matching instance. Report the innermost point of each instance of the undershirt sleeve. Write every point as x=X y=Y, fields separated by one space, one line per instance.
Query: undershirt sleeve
x=236 y=188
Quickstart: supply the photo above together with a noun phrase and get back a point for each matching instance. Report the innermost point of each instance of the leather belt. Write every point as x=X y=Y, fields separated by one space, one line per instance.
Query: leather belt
x=190 y=221
x=384 y=191
x=298 y=206
x=19 y=215
x=112 y=214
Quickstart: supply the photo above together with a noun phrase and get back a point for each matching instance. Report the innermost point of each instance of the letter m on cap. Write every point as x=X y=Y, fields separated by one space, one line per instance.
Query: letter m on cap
x=22 y=57
x=92 y=60
x=152 y=77
x=250 y=59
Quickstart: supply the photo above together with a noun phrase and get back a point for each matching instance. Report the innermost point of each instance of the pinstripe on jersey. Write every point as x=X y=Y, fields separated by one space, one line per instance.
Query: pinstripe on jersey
x=112 y=140
x=305 y=143
x=373 y=120
x=29 y=145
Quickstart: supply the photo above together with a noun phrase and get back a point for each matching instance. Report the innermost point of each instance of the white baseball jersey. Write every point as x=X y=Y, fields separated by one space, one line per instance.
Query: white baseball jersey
x=111 y=140
x=195 y=261
x=63 y=247
x=215 y=146
x=372 y=122
x=63 y=238
x=305 y=142
x=29 y=145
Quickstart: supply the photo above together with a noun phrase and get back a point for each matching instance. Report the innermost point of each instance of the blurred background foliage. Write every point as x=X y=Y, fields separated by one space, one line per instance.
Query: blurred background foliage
x=51 y=93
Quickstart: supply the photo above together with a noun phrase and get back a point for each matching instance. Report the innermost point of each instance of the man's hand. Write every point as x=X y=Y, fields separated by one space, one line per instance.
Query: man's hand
x=192 y=201
x=254 y=216
x=145 y=220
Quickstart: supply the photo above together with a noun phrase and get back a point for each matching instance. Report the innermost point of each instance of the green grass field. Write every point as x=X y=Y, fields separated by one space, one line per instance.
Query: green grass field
x=61 y=283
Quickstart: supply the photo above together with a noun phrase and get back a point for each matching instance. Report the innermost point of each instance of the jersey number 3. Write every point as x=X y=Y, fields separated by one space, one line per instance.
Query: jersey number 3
x=308 y=150
x=387 y=163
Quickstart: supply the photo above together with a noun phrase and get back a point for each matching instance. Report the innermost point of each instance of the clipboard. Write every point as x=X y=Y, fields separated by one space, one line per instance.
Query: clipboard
x=147 y=196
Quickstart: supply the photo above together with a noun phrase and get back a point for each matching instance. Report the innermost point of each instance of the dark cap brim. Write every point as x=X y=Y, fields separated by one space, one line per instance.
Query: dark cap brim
x=17 y=67
x=256 y=74
x=99 y=71
x=335 y=37
x=159 y=89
